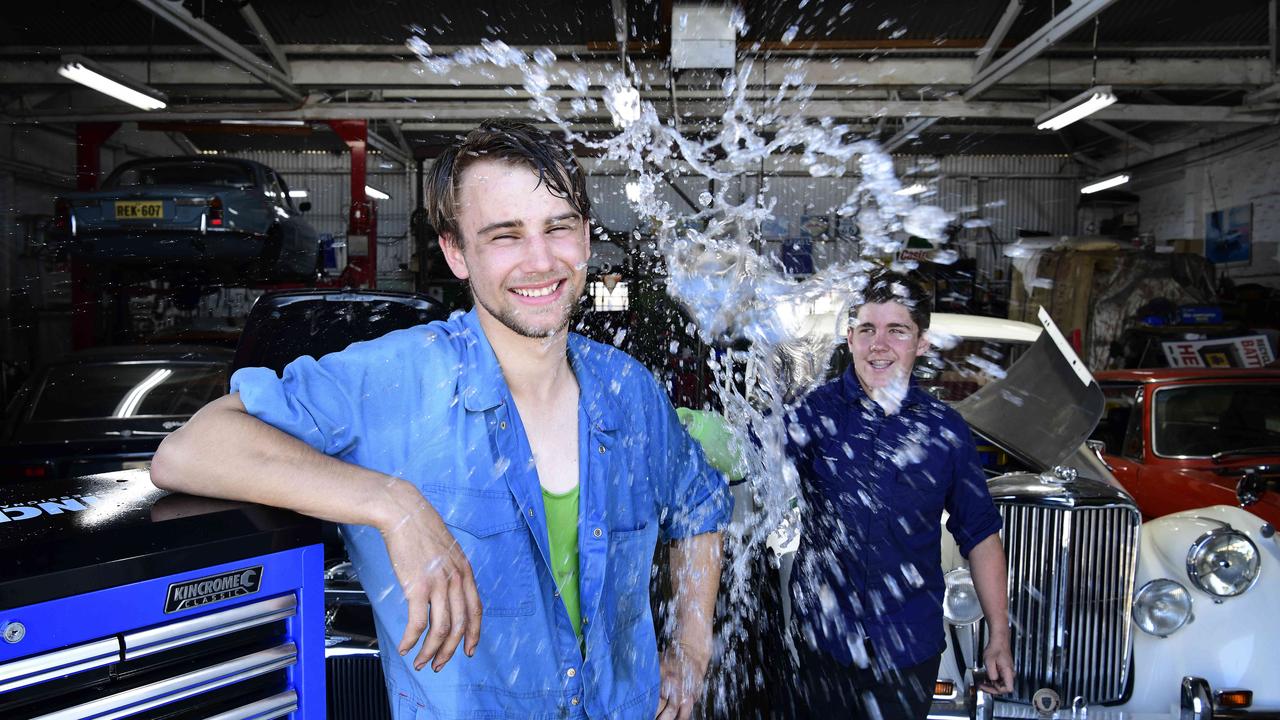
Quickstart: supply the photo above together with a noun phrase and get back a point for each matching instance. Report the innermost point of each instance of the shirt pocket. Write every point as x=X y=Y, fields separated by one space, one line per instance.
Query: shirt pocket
x=490 y=531
x=917 y=511
x=628 y=567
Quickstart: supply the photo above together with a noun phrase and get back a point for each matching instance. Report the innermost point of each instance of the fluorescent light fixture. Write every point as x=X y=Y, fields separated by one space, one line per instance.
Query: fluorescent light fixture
x=913 y=189
x=267 y=123
x=108 y=82
x=298 y=193
x=1104 y=184
x=1077 y=108
x=375 y=193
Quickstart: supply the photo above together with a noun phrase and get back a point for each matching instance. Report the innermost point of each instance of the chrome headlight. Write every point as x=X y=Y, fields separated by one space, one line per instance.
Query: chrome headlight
x=1161 y=607
x=960 y=603
x=1223 y=562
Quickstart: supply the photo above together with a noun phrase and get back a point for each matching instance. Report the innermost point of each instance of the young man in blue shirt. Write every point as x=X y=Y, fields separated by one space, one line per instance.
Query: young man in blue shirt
x=879 y=461
x=448 y=451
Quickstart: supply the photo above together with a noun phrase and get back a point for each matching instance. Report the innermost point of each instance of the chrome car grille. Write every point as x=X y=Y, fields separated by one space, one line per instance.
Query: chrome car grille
x=356 y=688
x=1071 y=575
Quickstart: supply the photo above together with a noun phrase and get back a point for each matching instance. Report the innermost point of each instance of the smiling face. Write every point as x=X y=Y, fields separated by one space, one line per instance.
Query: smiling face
x=885 y=343
x=524 y=251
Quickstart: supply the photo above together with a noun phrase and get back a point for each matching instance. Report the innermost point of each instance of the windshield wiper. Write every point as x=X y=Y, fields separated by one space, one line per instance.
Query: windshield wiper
x=1259 y=450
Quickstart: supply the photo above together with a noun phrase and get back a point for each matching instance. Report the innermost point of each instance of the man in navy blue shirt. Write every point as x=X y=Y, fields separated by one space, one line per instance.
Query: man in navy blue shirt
x=880 y=461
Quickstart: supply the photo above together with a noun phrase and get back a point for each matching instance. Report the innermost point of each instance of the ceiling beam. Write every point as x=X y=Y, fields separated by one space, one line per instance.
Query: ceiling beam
x=909 y=131
x=397 y=134
x=389 y=149
x=1060 y=26
x=175 y=14
x=988 y=51
x=186 y=74
x=264 y=36
x=183 y=142
x=446 y=110
x=1121 y=135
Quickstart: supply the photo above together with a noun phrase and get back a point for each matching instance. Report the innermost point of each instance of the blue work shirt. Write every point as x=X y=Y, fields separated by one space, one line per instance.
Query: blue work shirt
x=430 y=405
x=875 y=486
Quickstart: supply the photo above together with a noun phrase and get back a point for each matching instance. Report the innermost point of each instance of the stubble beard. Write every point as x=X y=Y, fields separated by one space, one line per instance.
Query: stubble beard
x=512 y=320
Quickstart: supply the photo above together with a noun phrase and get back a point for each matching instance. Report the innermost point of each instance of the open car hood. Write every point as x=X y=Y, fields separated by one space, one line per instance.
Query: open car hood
x=1044 y=408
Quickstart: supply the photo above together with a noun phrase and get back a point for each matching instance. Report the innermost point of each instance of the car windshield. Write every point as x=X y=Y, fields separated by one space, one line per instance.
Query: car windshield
x=1201 y=420
x=127 y=390
x=196 y=173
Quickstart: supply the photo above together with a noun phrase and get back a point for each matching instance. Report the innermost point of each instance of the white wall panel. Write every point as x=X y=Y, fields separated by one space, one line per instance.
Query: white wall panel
x=1231 y=173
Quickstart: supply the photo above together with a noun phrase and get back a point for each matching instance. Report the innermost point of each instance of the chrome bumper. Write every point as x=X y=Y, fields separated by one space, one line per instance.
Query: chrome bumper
x=1196 y=704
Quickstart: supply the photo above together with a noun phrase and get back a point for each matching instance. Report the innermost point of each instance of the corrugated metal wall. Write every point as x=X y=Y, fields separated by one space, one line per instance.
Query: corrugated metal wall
x=327 y=179
x=1009 y=193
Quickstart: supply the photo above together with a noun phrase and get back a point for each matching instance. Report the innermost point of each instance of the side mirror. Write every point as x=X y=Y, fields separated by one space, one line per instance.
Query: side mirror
x=1099 y=448
x=304 y=206
x=1250 y=488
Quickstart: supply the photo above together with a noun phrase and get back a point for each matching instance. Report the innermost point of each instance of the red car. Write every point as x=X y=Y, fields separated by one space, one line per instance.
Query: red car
x=1179 y=439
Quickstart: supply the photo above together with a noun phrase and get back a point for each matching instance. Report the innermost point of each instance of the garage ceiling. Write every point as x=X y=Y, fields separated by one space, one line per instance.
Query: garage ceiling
x=932 y=76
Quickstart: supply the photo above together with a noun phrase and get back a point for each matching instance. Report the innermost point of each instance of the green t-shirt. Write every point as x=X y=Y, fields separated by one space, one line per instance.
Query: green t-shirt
x=562 y=531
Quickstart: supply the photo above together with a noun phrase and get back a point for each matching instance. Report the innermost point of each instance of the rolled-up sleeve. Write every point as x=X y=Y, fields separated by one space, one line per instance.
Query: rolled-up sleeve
x=312 y=401
x=695 y=497
x=972 y=515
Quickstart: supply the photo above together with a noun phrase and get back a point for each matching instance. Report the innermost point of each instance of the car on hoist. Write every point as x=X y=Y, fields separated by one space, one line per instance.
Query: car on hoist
x=200 y=220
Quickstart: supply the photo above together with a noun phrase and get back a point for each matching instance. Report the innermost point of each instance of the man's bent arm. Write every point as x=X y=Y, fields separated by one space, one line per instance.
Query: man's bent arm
x=990 y=579
x=225 y=452
x=695 y=582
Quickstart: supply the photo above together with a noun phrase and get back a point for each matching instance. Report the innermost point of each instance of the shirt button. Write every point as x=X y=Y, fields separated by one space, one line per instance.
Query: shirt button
x=556 y=593
x=530 y=512
x=571 y=672
x=597 y=532
x=601 y=449
x=502 y=425
x=573 y=701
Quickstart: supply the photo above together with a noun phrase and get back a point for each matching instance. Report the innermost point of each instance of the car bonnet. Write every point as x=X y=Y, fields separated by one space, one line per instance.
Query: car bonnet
x=1044 y=408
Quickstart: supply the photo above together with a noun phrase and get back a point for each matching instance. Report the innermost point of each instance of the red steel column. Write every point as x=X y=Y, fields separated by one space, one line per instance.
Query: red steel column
x=84 y=291
x=362 y=231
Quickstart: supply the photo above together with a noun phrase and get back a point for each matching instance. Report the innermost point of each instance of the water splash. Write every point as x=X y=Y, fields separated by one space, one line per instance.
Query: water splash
x=715 y=260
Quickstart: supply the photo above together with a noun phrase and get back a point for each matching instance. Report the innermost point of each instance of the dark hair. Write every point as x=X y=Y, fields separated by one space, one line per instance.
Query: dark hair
x=887 y=287
x=513 y=142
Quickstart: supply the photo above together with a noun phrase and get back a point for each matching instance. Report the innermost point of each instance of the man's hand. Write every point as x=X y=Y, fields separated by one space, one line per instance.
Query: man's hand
x=999 y=665
x=684 y=668
x=436 y=578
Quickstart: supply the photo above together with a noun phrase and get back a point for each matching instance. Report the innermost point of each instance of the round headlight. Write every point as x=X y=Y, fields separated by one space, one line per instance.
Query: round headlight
x=1161 y=607
x=1223 y=562
x=960 y=601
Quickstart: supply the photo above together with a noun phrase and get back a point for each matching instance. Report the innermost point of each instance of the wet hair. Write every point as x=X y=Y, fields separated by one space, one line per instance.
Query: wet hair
x=507 y=141
x=887 y=287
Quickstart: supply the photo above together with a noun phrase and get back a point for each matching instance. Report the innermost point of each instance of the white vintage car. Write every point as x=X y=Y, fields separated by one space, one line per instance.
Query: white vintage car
x=1111 y=617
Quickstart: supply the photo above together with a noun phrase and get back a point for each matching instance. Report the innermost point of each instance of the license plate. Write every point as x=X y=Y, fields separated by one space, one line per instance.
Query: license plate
x=139 y=210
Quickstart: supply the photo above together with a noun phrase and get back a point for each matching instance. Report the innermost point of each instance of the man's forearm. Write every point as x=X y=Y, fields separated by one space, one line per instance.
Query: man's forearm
x=990 y=580
x=695 y=582
x=224 y=452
